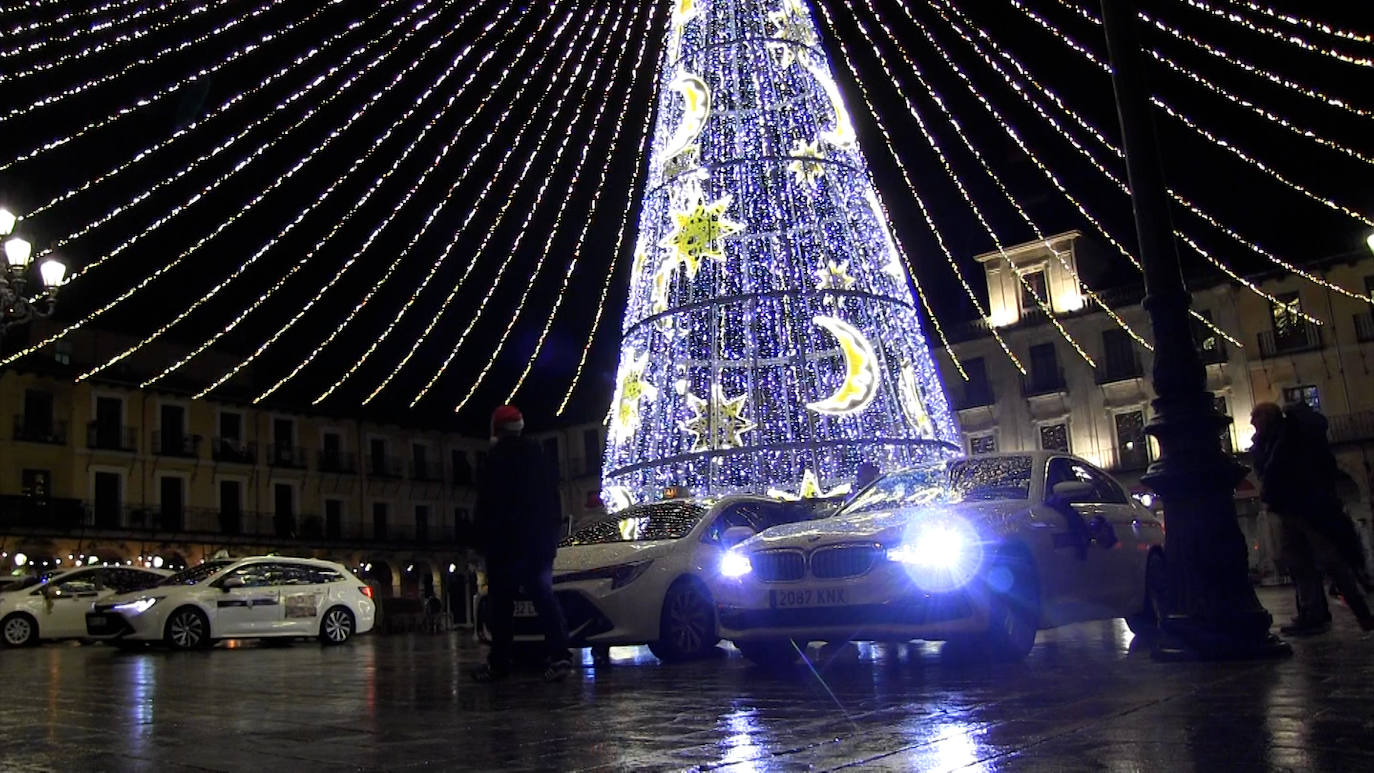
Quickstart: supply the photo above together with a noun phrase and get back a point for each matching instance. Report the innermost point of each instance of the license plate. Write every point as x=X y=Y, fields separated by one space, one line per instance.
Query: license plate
x=525 y=609
x=807 y=597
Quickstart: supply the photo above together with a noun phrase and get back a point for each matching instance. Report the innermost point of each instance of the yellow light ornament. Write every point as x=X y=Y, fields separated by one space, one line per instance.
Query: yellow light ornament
x=718 y=422
x=861 y=378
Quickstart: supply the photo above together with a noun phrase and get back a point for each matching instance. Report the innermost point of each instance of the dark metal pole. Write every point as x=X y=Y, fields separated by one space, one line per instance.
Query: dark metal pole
x=1212 y=610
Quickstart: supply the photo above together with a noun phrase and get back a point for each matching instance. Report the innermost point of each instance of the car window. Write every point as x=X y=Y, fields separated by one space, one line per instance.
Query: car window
x=129 y=580
x=74 y=583
x=669 y=520
x=909 y=488
x=1105 y=490
x=756 y=516
x=297 y=574
x=993 y=477
x=322 y=575
x=256 y=575
x=197 y=574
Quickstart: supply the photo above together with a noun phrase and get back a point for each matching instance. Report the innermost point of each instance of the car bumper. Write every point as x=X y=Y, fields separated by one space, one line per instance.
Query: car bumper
x=105 y=624
x=597 y=615
x=881 y=605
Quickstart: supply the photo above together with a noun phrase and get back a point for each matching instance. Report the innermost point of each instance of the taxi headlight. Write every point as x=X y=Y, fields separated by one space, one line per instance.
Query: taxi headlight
x=939 y=553
x=137 y=606
x=735 y=565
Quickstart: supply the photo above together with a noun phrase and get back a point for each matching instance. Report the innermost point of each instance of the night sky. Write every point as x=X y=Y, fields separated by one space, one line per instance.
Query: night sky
x=1248 y=200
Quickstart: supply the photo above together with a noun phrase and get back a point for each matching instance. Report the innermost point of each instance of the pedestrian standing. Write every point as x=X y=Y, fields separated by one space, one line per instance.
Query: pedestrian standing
x=1297 y=474
x=519 y=526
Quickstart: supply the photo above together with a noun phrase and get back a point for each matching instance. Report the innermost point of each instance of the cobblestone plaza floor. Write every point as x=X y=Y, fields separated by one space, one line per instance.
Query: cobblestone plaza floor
x=1086 y=699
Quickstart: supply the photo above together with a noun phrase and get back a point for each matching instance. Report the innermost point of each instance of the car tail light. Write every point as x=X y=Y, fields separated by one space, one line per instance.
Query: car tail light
x=366 y=590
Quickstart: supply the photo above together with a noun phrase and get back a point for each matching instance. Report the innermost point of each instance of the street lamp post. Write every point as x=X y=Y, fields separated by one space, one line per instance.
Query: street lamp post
x=1211 y=608
x=16 y=307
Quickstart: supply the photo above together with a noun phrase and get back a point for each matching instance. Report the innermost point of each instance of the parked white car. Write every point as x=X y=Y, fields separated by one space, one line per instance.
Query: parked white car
x=987 y=549
x=56 y=607
x=648 y=574
x=260 y=597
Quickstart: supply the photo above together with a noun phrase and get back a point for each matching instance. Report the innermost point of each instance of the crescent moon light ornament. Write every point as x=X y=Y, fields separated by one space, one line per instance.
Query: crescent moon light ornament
x=696 y=107
x=913 y=407
x=810 y=489
x=842 y=137
x=861 y=370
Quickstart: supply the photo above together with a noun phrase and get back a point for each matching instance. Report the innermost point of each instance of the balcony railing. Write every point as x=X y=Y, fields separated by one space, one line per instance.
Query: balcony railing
x=111 y=437
x=1364 y=327
x=234 y=451
x=286 y=456
x=338 y=462
x=31 y=430
x=1213 y=353
x=426 y=471
x=975 y=397
x=1043 y=383
x=1123 y=370
x=1351 y=427
x=176 y=444
x=1301 y=337
x=41 y=512
x=383 y=466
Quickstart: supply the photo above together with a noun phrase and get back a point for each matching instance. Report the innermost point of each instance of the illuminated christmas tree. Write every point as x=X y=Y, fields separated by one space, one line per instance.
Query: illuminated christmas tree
x=771 y=340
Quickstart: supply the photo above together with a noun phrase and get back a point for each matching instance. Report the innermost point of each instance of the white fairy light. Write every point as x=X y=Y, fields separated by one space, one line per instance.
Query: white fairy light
x=1298 y=21
x=1286 y=37
x=67 y=35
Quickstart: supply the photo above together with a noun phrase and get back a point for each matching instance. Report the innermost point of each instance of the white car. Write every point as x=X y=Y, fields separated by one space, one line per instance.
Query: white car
x=56 y=607
x=261 y=597
x=988 y=550
x=648 y=574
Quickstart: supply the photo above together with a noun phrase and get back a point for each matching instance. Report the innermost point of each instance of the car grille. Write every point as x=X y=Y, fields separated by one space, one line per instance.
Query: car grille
x=778 y=565
x=843 y=561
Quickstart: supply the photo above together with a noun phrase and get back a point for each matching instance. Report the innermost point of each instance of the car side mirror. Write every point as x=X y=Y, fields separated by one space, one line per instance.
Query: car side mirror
x=735 y=535
x=230 y=583
x=1070 y=491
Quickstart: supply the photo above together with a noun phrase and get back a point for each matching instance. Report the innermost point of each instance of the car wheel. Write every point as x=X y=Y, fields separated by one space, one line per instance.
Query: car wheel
x=337 y=626
x=771 y=654
x=1146 y=621
x=687 y=627
x=19 y=630
x=187 y=629
x=1013 y=607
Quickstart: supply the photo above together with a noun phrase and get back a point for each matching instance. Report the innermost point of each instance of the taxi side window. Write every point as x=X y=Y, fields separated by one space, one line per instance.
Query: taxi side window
x=80 y=582
x=254 y=575
x=738 y=514
x=297 y=574
x=1105 y=490
x=127 y=580
x=321 y=575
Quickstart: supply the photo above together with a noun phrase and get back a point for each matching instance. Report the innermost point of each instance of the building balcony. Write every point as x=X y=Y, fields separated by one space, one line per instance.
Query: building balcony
x=1037 y=384
x=234 y=451
x=1351 y=427
x=384 y=466
x=1125 y=370
x=337 y=462
x=974 y=397
x=1364 y=327
x=177 y=444
x=1212 y=353
x=41 y=513
x=1293 y=339
x=111 y=437
x=31 y=430
x=289 y=457
x=428 y=472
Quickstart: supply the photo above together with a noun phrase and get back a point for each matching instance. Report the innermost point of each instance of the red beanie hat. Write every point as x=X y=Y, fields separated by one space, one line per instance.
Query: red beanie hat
x=507 y=418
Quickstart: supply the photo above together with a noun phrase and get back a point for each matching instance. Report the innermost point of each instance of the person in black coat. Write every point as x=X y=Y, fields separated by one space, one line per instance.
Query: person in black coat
x=1297 y=474
x=519 y=524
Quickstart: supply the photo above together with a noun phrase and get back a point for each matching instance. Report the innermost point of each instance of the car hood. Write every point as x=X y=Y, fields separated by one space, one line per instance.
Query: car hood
x=576 y=558
x=991 y=518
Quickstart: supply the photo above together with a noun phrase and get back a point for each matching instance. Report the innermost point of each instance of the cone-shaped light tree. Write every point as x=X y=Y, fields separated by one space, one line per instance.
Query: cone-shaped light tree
x=771 y=341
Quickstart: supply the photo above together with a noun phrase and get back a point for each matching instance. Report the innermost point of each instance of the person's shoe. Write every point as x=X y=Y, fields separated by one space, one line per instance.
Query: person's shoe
x=485 y=673
x=1305 y=627
x=558 y=670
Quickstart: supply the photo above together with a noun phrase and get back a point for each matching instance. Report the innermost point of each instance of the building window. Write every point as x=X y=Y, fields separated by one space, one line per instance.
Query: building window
x=1307 y=393
x=1032 y=287
x=422 y=523
x=62 y=352
x=977 y=391
x=1045 y=375
x=1118 y=355
x=333 y=518
x=982 y=444
x=1290 y=329
x=1369 y=285
x=1208 y=343
x=379 y=520
x=1132 y=444
x=230 y=506
x=420 y=454
x=462 y=470
x=1219 y=404
x=1054 y=437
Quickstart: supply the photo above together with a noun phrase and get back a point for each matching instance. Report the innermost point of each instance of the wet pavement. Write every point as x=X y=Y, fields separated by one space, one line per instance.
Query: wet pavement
x=1086 y=699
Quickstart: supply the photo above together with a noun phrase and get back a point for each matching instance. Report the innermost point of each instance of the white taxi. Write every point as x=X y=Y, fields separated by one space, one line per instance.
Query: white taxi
x=987 y=550
x=260 y=597
x=648 y=574
x=56 y=607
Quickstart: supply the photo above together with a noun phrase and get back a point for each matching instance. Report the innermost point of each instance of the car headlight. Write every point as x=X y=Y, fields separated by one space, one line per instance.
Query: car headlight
x=735 y=565
x=939 y=553
x=137 y=606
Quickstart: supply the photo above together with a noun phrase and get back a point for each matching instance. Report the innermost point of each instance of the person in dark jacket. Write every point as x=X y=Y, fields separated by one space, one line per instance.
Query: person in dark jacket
x=1297 y=474
x=519 y=524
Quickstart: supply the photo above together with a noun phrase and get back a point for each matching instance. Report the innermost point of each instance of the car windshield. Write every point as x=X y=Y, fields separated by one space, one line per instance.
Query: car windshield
x=914 y=487
x=641 y=523
x=196 y=574
x=997 y=477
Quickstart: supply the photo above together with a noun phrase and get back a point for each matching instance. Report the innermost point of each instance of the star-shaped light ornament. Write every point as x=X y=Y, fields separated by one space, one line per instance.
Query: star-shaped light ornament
x=834 y=276
x=806 y=166
x=791 y=24
x=718 y=422
x=810 y=488
x=630 y=389
x=699 y=231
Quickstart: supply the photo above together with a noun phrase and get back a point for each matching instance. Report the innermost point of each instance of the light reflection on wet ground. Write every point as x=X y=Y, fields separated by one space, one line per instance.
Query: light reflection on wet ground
x=1088 y=698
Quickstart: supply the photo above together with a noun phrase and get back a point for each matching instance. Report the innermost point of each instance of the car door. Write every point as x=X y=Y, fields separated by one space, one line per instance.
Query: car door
x=1080 y=570
x=1124 y=580
x=250 y=608
x=302 y=593
x=65 y=603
